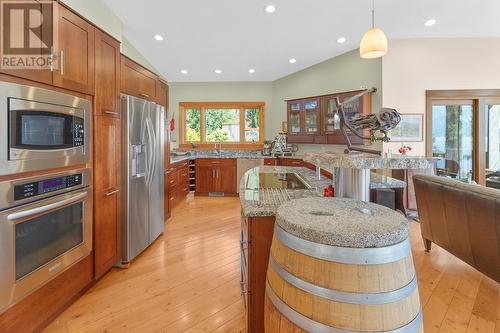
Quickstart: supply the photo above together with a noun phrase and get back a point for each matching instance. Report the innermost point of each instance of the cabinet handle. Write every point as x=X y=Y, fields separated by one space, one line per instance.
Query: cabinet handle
x=144 y=95
x=111 y=193
x=51 y=58
x=172 y=181
x=213 y=173
x=62 y=62
x=184 y=174
x=216 y=162
x=110 y=112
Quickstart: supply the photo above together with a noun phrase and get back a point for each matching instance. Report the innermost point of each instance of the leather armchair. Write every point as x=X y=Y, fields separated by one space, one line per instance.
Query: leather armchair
x=464 y=219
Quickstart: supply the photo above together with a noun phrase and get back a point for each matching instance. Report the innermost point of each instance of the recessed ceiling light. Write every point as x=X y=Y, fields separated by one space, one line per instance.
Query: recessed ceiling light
x=251 y=71
x=341 y=40
x=158 y=37
x=430 y=22
x=270 y=9
x=292 y=60
x=184 y=71
x=218 y=71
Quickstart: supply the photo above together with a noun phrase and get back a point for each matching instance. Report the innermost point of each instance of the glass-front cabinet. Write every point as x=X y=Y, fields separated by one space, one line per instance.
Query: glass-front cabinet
x=294 y=118
x=311 y=115
x=303 y=120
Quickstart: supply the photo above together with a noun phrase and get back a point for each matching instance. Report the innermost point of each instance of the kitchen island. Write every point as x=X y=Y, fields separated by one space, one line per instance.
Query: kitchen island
x=353 y=171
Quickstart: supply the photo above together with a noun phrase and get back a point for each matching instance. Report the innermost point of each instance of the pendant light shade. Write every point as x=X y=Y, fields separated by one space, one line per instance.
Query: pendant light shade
x=373 y=45
x=374 y=42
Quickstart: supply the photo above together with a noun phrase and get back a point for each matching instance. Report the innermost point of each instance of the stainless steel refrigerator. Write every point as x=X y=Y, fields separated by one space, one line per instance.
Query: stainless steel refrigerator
x=143 y=136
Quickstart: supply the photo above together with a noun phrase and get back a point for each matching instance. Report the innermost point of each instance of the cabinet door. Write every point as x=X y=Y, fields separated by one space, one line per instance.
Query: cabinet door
x=38 y=73
x=107 y=75
x=137 y=81
x=226 y=179
x=107 y=194
x=294 y=118
x=311 y=116
x=75 y=54
x=166 y=201
x=162 y=94
x=205 y=176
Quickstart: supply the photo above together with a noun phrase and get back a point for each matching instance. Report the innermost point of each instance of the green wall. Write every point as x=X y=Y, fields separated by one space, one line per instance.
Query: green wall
x=345 y=72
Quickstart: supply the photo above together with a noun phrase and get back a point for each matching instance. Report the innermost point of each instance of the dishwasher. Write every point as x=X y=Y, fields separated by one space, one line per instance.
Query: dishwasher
x=245 y=164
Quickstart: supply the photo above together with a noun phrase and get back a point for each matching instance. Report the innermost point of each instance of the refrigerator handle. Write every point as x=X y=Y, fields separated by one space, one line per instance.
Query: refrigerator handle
x=152 y=149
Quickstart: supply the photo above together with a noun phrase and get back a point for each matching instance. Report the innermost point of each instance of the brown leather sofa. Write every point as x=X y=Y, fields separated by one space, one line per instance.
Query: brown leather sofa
x=464 y=219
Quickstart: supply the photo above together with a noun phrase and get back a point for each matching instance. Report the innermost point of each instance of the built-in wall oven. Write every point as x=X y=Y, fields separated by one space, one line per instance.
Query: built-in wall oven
x=42 y=129
x=45 y=227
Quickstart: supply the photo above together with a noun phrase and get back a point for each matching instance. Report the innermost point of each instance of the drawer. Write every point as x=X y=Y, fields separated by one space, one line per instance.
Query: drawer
x=291 y=162
x=270 y=161
x=181 y=165
x=183 y=190
x=216 y=161
x=184 y=175
x=173 y=179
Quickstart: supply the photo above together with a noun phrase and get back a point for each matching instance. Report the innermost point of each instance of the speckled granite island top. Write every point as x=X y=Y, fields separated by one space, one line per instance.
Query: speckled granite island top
x=355 y=160
x=257 y=201
x=342 y=222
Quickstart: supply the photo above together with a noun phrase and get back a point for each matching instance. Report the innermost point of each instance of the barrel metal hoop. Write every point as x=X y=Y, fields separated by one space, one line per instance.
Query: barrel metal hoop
x=345 y=255
x=313 y=326
x=342 y=296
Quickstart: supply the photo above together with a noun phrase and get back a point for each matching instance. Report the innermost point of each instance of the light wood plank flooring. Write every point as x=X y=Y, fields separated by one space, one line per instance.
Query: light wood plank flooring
x=187 y=281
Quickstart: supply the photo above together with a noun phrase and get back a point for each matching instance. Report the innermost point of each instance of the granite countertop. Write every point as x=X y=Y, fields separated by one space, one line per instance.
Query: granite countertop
x=367 y=161
x=378 y=181
x=342 y=222
x=225 y=154
x=257 y=201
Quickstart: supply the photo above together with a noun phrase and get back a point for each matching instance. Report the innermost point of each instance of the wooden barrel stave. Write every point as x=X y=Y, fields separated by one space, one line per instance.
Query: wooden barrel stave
x=347 y=278
x=344 y=277
x=356 y=317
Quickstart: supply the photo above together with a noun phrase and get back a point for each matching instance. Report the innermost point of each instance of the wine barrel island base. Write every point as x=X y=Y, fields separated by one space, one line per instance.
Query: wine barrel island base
x=341 y=265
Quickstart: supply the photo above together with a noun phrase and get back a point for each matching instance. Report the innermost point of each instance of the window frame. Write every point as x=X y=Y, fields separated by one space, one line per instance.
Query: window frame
x=202 y=106
x=479 y=97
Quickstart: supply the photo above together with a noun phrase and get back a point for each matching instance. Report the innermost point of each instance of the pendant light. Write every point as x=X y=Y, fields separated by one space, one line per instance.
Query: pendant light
x=374 y=42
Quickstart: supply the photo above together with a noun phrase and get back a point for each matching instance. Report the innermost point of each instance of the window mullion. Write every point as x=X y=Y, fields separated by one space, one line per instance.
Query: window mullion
x=242 y=124
x=202 y=124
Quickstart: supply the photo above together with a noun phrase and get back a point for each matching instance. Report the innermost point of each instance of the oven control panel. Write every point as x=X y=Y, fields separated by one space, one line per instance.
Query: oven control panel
x=29 y=190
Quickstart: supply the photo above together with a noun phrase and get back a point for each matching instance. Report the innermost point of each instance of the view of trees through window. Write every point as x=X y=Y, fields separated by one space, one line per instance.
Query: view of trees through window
x=222 y=124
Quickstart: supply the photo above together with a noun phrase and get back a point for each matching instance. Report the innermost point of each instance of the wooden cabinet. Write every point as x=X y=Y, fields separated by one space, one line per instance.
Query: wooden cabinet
x=107 y=186
x=162 y=94
x=270 y=161
x=315 y=119
x=107 y=155
x=138 y=81
x=256 y=239
x=75 y=54
x=217 y=175
x=107 y=75
x=176 y=184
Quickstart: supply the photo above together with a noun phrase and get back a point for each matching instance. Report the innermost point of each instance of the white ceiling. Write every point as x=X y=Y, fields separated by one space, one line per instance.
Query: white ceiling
x=236 y=35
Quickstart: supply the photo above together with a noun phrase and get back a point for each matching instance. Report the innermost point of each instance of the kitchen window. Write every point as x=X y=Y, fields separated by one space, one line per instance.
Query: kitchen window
x=233 y=124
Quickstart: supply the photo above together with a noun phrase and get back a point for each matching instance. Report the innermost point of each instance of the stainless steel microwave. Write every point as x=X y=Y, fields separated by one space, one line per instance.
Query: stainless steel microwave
x=42 y=129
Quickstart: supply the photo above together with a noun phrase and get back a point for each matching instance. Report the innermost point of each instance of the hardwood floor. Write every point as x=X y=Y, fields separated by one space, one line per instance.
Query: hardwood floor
x=187 y=281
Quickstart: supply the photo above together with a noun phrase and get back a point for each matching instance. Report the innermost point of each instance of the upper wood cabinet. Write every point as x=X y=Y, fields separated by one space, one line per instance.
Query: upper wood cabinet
x=75 y=53
x=315 y=119
x=162 y=94
x=107 y=74
x=138 y=81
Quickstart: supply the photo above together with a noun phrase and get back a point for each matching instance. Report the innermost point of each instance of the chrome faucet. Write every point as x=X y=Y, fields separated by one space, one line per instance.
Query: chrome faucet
x=218 y=148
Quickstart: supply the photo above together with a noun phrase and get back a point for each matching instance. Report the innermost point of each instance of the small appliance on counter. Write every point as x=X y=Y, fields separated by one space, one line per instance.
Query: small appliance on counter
x=266 y=148
x=281 y=148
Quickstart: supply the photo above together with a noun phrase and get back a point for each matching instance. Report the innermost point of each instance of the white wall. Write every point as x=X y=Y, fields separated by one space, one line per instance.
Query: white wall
x=413 y=66
x=97 y=12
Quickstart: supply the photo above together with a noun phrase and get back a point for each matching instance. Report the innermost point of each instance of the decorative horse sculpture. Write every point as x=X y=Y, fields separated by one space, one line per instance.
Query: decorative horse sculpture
x=382 y=121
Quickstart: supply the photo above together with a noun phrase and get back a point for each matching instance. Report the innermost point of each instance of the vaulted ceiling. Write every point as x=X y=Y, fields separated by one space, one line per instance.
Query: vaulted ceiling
x=234 y=36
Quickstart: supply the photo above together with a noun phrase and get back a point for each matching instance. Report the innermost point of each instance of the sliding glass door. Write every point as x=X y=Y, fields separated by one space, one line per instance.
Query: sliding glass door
x=492 y=143
x=453 y=138
x=463 y=134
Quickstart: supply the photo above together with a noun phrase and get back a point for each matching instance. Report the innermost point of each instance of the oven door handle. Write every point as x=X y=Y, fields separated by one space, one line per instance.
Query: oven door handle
x=42 y=209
